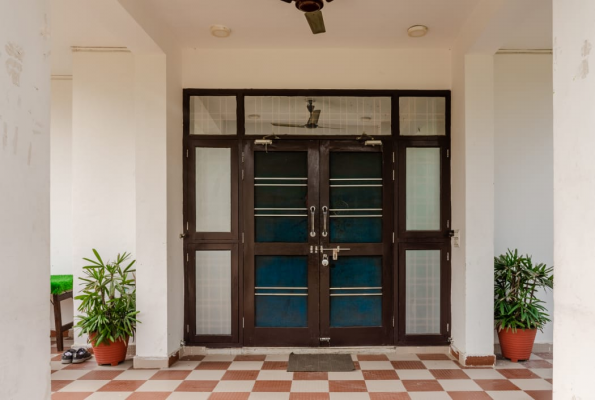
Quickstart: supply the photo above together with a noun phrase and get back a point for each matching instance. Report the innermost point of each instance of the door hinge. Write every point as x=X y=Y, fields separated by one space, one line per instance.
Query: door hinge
x=187 y=225
x=187 y=328
x=393 y=174
x=242 y=237
x=447 y=327
x=186 y=153
x=448 y=223
x=393 y=237
x=187 y=257
x=393 y=321
x=447 y=153
x=242 y=156
x=242 y=174
x=243 y=322
x=447 y=256
x=393 y=157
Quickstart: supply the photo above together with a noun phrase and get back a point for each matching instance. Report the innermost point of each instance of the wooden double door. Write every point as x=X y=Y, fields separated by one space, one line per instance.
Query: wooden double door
x=318 y=245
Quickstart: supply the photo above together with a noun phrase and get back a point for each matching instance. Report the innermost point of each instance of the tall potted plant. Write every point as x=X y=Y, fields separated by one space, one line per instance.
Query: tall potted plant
x=518 y=313
x=108 y=307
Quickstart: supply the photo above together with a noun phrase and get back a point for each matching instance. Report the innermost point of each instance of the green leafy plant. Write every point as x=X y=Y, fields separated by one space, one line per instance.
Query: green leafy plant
x=516 y=280
x=108 y=299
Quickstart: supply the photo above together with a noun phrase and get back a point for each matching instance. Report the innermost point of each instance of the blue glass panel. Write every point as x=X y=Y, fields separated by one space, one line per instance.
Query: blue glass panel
x=356 y=311
x=281 y=229
x=281 y=271
x=356 y=197
x=359 y=271
x=356 y=165
x=280 y=196
x=281 y=164
x=281 y=311
x=356 y=230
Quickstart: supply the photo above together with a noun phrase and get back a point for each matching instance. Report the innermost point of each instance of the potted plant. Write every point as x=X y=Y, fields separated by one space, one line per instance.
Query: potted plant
x=108 y=307
x=518 y=313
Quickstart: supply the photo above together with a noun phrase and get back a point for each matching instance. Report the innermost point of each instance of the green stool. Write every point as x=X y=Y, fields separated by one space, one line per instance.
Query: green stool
x=61 y=289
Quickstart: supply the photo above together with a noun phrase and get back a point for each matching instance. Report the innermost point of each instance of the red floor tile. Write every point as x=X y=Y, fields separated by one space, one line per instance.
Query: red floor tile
x=121 y=386
x=389 y=396
x=408 y=365
x=274 y=365
x=309 y=396
x=57 y=385
x=213 y=365
x=229 y=396
x=250 y=357
x=422 y=385
x=469 y=396
x=496 y=384
x=540 y=394
x=149 y=396
x=347 y=386
x=427 y=357
x=240 y=376
x=517 y=373
x=272 y=386
x=171 y=375
x=372 y=357
x=70 y=396
x=385 y=374
x=100 y=375
x=197 y=386
x=310 y=376
x=449 y=374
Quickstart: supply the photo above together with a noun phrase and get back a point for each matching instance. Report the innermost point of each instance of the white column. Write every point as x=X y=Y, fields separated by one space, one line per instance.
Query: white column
x=103 y=158
x=574 y=196
x=473 y=208
x=24 y=200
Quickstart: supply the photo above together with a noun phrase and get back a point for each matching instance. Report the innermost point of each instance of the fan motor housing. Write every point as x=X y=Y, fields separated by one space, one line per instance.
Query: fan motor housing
x=309 y=5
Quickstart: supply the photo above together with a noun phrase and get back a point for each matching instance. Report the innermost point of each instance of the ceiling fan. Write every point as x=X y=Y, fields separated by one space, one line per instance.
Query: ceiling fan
x=313 y=14
x=312 y=121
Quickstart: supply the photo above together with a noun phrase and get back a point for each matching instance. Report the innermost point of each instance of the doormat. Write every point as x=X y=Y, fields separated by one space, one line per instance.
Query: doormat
x=320 y=363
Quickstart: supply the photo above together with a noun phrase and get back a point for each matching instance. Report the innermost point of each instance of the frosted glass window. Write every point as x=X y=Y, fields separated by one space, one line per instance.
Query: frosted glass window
x=422 y=314
x=422 y=116
x=325 y=115
x=213 y=115
x=213 y=189
x=423 y=189
x=213 y=292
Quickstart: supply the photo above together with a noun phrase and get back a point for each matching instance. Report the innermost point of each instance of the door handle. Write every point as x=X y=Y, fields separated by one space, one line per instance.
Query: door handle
x=324 y=221
x=313 y=213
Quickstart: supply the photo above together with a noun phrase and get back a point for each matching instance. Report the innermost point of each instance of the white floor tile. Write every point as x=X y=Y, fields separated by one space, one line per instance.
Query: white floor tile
x=159 y=386
x=402 y=357
x=205 y=375
x=483 y=374
x=414 y=374
x=545 y=373
x=189 y=396
x=310 y=386
x=57 y=365
x=277 y=357
x=429 y=396
x=350 y=396
x=68 y=375
x=84 y=386
x=234 y=386
x=219 y=357
x=125 y=365
x=375 y=365
x=508 y=364
x=246 y=366
x=509 y=395
x=274 y=375
x=532 y=384
x=136 y=375
x=269 y=396
x=184 y=365
x=385 y=386
x=459 y=385
x=346 y=376
x=109 y=395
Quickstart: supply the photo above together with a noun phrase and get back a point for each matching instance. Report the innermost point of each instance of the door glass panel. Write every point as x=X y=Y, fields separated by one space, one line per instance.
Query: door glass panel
x=356 y=291
x=213 y=189
x=423 y=189
x=285 y=115
x=281 y=291
x=422 y=116
x=355 y=197
x=280 y=196
x=213 y=292
x=422 y=280
x=213 y=115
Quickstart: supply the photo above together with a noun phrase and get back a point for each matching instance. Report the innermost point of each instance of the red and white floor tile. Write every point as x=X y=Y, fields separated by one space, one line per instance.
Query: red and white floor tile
x=260 y=377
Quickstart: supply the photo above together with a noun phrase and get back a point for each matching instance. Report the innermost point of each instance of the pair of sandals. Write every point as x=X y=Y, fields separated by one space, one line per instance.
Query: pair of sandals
x=75 y=356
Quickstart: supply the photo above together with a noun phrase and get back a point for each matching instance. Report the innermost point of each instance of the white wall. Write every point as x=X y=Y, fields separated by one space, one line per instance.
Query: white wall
x=524 y=192
x=574 y=196
x=24 y=200
x=103 y=157
x=317 y=69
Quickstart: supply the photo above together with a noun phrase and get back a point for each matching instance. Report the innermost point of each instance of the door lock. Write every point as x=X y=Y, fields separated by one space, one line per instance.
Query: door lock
x=325 y=261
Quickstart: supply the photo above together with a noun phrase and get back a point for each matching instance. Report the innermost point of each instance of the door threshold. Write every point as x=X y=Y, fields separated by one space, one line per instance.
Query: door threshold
x=197 y=350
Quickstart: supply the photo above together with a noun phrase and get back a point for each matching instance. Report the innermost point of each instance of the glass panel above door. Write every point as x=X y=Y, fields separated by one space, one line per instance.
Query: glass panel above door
x=213 y=189
x=299 y=115
x=422 y=116
x=422 y=189
x=213 y=115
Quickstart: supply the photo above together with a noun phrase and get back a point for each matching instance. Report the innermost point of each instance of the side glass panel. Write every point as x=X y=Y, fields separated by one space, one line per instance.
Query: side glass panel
x=355 y=197
x=280 y=196
x=213 y=115
x=213 y=292
x=423 y=189
x=281 y=291
x=317 y=115
x=213 y=189
x=422 y=116
x=422 y=272
x=356 y=291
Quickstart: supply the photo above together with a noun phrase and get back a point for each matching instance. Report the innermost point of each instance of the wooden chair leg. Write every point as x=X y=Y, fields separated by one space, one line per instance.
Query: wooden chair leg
x=58 y=322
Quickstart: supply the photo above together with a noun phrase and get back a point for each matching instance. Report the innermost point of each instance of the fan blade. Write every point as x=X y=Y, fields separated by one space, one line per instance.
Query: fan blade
x=314 y=118
x=316 y=22
x=289 y=1
x=288 y=125
x=327 y=127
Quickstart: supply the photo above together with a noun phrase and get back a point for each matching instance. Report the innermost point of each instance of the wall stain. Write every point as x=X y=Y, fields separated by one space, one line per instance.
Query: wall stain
x=586 y=50
x=14 y=64
x=583 y=68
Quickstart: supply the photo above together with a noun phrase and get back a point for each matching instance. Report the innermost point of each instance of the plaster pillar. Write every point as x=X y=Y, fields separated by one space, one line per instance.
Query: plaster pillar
x=103 y=159
x=473 y=208
x=24 y=200
x=574 y=196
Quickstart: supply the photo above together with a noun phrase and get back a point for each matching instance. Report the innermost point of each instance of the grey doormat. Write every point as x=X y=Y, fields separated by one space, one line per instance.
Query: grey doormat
x=320 y=363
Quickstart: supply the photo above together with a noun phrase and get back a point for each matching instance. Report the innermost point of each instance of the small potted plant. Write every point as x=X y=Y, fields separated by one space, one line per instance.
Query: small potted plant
x=108 y=307
x=518 y=313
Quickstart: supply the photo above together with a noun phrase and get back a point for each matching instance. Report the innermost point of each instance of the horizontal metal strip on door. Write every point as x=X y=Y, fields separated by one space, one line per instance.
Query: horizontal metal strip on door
x=279 y=179
x=352 y=186
x=354 y=294
x=281 y=294
x=281 y=288
x=280 y=184
x=356 y=216
x=355 y=179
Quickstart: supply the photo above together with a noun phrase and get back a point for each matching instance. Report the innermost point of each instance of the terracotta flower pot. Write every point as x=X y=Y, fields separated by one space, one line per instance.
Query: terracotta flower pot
x=517 y=345
x=107 y=352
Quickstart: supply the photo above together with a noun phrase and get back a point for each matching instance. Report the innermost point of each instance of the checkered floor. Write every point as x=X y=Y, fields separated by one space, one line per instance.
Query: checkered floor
x=259 y=377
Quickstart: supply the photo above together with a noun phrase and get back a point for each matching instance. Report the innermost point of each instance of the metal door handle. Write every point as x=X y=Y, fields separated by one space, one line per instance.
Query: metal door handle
x=313 y=213
x=324 y=219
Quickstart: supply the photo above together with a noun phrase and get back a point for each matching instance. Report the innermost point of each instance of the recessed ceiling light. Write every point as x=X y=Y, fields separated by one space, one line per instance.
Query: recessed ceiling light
x=417 y=31
x=220 y=31
x=366 y=119
x=254 y=116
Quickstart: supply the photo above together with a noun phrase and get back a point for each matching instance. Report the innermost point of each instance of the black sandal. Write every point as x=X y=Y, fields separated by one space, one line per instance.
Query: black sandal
x=81 y=356
x=67 y=356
